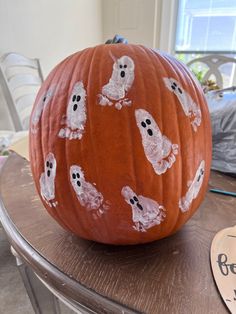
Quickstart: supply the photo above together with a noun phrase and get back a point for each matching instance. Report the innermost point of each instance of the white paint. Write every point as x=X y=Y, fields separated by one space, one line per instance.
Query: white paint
x=158 y=149
x=190 y=108
x=88 y=196
x=146 y=213
x=76 y=114
x=42 y=103
x=47 y=180
x=194 y=188
x=121 y=80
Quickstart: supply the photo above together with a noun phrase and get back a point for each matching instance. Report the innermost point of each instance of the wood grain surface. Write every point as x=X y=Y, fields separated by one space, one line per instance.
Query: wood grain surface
x=172 y=275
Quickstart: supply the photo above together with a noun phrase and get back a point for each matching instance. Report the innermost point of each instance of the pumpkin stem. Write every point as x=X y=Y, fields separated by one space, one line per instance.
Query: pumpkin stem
x=117 y=39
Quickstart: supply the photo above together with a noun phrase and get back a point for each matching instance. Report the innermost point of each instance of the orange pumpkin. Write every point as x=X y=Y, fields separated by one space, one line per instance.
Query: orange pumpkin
x=120 y=144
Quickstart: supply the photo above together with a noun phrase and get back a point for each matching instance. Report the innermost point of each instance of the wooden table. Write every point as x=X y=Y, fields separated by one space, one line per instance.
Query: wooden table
x=172 y=275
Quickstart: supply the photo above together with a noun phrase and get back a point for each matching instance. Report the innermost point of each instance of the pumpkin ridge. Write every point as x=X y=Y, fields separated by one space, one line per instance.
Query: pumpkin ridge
x=56 y=210
x=176 y=104
x=158 y=118
x=103 y=223
x=182 y=216
x=164 y=175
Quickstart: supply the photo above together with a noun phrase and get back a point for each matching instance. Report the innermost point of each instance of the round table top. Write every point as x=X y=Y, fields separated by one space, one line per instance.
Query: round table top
x=172 y=275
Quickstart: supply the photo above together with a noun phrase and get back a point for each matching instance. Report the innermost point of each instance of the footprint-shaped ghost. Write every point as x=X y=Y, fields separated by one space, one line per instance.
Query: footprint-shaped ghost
x=47 y=180
x=87 y=194
x=190 y=108
x=193 y=188
x=42 y=103
x=121 y=80
x=76 y=114
x=158 y=149
x=146 y=213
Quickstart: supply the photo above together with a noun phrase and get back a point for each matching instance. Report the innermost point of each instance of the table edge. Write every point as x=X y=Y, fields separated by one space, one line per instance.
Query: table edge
x=50 y=273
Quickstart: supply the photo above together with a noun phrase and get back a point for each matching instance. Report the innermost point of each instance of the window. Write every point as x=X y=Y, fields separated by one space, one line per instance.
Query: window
x=206 y=27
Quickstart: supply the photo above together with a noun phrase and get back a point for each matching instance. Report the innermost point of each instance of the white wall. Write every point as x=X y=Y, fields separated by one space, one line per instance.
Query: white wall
x=48 y=29
x=147 y=22
x=133 y=19
x=52 y=29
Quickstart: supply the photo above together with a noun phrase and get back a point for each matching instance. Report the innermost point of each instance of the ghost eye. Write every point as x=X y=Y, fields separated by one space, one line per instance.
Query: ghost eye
x=44 y=98
x=136 y=199
x=148 y=121
x=174 y=84
x=125 y=66
x=78 y=98
x=143 y=124
x=121 y=66
x=74 y=98
x=78 y=176
x=51 y=165
x=131 y=201
x=47 y=164
x=73 y=176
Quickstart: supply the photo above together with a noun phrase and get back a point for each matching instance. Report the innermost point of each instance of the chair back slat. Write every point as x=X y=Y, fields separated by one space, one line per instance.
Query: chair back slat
x=213 y=63
x=14 y=60
x=20 y=78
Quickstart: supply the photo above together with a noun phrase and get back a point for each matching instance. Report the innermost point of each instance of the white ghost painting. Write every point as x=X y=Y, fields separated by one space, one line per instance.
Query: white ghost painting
x=193 y=188
x=76 y=114
x=47 y=180
x=146 y=213
x=158 y=149
x=42 y=103
x=88 y=196
x=190 y=108
x=114 y=92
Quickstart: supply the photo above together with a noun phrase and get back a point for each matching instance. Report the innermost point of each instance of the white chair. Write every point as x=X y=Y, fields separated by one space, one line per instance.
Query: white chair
x=211 y=66
x=20 y=78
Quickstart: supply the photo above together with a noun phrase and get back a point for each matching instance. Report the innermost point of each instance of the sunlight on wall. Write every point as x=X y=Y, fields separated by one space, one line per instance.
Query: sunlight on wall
x=49 y=30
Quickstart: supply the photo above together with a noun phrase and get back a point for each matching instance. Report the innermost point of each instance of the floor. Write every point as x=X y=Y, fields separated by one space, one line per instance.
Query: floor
x=13 y=297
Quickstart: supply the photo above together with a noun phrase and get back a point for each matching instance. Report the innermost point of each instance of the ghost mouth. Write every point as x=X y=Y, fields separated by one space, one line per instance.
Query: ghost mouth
x=122 y=73
x=139 y=206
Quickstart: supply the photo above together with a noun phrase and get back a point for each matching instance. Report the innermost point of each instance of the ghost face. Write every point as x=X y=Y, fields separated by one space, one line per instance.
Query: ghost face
x=131 y=198
x=147 y=126
x=198 y=179
x=50 y=167
x=177 y=89
x=47 y=180
x=158 y=149
x=123 y=72
x=146 y=213
x=76 y=109
x=194 y=188
x=77 y=178
x=87 y=194
x=41 y=104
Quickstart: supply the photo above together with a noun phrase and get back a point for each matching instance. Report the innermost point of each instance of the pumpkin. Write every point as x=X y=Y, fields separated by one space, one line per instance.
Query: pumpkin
x=120 y=144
